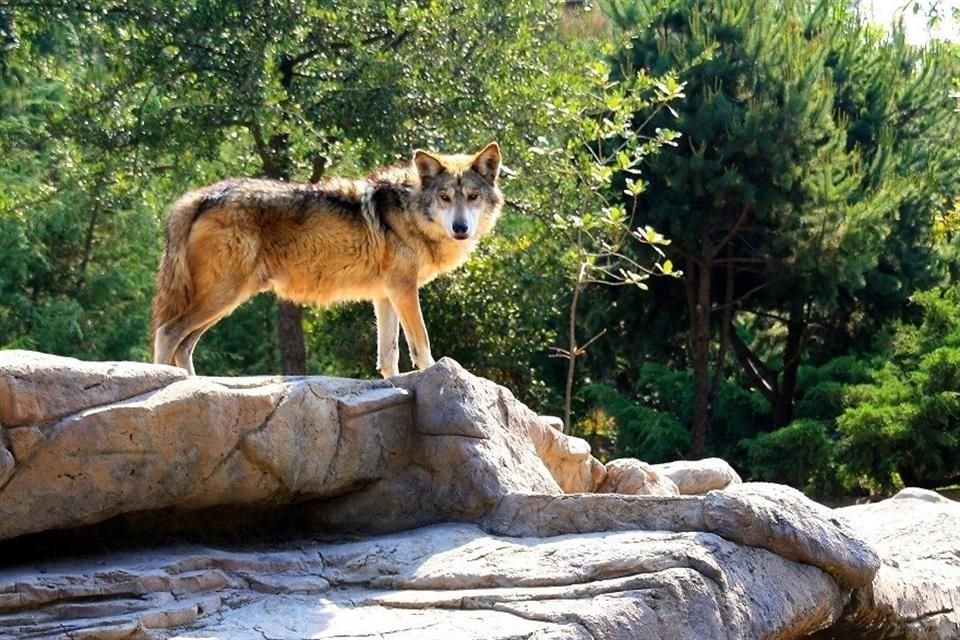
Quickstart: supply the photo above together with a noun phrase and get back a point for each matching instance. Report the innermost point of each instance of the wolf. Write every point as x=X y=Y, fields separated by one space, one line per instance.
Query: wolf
x=376 y=238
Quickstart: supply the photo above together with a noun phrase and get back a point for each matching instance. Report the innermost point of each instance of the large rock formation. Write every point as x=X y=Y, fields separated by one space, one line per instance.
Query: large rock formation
x=543 y=526
x=122 y=438
x=916 y=593
x=448 y=581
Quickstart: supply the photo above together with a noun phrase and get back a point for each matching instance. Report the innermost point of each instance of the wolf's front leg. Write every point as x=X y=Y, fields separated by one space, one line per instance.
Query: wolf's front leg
x=406 y=302
x=388 y=333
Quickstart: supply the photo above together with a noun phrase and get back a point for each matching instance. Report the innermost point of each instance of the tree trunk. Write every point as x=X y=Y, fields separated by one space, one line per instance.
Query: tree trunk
x=786 y=390
x=778 y=386
x=698 y=301
x=87 y=250
x=726 y=322
x=293 y=352
x=572 y=349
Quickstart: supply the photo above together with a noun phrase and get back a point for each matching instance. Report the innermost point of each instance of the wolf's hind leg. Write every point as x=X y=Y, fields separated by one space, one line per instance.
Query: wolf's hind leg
x=388 y=332
x=176 y=339
x=183 y=357
x=164 y=345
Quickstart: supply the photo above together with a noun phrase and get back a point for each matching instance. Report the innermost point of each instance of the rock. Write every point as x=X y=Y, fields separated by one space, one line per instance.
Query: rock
x=916 y=593
x=567 y=458
x=771 y=517
x=923 y=495
x=467 y=444
x=443 y=581
x=531 y=515
x=632 y=477
x=697 y=477
x=24 y=441
x=437 y=445
x=6 y=465
x=783 y=520
x=177 y=446
x=161 y=441
x=540 y=550
x=36 y=387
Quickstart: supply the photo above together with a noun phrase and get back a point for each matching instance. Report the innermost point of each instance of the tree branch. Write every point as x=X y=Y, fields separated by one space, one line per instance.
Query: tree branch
x=734 y=230
x=581 y=350
x=263 y=149
x=763 y=377
x=736 y=301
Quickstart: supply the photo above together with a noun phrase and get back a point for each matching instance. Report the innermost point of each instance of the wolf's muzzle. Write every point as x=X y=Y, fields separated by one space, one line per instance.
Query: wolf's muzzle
x=460 y=229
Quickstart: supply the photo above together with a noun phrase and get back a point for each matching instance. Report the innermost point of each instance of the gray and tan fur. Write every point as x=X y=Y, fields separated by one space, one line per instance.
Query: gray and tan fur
x=376 y=238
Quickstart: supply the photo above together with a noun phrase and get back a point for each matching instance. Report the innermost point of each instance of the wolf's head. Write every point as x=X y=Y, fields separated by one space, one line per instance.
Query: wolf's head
x=460 y=192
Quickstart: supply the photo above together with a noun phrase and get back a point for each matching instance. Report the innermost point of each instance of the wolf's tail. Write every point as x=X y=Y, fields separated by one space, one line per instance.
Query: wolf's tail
x=174 y=284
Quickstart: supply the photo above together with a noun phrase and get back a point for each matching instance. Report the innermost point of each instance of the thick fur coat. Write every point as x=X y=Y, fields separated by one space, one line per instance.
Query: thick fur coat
x=376 y=238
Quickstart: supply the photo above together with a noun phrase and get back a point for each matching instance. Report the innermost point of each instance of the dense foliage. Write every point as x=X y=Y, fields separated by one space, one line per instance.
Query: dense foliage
x=799 y=163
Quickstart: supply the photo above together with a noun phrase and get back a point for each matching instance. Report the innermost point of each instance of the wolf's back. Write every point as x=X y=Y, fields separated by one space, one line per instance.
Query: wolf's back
x=174 y=284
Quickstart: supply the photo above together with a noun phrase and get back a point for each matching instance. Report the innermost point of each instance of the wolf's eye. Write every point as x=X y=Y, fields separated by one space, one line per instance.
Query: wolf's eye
x=472 y=196
x=444 y=197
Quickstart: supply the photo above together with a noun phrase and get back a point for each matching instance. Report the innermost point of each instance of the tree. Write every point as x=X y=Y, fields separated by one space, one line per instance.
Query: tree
x=73 y=221
x=756 y=118
x=894 y=111
x=597 y=225
x=777 y=210
x=282 y=89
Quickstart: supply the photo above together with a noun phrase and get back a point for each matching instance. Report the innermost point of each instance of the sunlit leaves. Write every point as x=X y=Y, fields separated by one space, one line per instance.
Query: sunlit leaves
x=607 y=142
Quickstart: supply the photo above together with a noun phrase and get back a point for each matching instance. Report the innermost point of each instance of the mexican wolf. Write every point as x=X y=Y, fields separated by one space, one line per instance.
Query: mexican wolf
x=377 y=238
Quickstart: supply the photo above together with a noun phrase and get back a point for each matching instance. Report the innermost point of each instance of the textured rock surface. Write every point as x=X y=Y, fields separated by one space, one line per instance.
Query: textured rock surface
x=437 y=445
x=768 y=516
x=98 y=447
x=696 y=477
x=441 y=582
x=567 y=458
x=783 y=520
x=81 y=443
x=916 y=593
x=36 y=387
x=633 y=477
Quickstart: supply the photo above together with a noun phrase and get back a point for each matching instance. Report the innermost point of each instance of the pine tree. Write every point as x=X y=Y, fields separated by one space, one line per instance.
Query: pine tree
x=790 y=187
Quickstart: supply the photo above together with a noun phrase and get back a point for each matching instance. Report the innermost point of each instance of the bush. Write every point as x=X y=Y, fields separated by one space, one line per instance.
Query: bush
x=821 y=390
x=639 y=431
x=904 y=426
x=652 y=436
x=873 y=445
x=802 y=454
x=738 y=413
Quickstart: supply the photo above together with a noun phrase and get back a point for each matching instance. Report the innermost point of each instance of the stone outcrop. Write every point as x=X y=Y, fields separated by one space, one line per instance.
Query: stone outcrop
x=568 y=459
x=767 y=516
x=449 y=581
x=374 y=456
x=457 y=581
x=534 y=524
x=916 y=593
x=695 y=477
x=630 y=476
x=161 y=440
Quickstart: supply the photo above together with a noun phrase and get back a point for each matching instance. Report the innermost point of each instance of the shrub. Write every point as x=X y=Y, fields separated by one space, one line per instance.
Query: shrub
x=802 y=454
x=640 y=431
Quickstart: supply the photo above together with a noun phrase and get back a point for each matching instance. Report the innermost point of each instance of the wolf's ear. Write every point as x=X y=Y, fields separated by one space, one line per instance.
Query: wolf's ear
x=428 y=165
x=487 y=162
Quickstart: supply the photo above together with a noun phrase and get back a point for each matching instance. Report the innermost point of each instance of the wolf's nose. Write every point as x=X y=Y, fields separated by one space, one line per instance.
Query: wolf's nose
x=459 y=228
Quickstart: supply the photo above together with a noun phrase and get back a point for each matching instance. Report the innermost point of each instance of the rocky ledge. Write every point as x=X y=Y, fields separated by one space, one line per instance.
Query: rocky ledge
x=480 y=520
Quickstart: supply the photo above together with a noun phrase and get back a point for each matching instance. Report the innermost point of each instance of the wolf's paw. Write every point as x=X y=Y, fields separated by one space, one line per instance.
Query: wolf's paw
x=426 y=361
x=389 y=371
